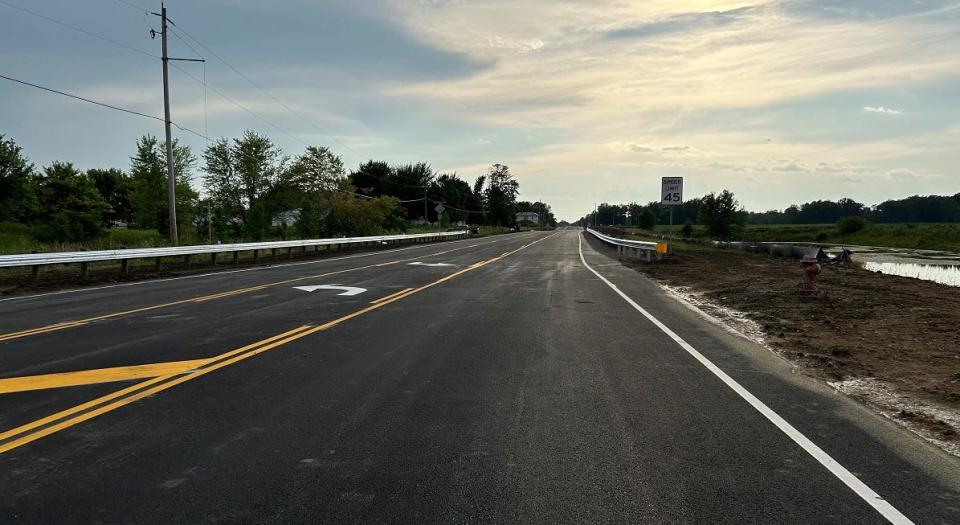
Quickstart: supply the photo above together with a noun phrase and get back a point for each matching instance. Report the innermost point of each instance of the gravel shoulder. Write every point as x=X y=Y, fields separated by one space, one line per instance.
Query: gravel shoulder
x=890 y=342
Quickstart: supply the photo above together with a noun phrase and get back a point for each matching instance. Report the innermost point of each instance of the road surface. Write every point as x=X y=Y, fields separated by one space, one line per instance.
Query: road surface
x=518 y=378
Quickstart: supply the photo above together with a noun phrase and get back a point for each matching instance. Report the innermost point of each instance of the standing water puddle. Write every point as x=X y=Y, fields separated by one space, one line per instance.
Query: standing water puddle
x=938 y=273
x=938 y=267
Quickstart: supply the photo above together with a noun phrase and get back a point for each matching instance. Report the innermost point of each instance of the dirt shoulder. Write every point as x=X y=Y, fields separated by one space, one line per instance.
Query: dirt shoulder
x=892 y=342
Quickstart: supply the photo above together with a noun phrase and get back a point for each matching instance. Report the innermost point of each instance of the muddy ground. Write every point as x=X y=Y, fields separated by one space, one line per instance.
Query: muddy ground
x=893 y=342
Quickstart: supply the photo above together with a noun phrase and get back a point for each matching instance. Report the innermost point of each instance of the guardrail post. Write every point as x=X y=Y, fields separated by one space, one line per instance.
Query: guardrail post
x=84 y=270
x=290 y=252
x=236 y=257
x=186 y=261
x=124 y=266
x=213 y=259
x=274 y=254
x=159 y=266
x=35 y=272
x=256 y=255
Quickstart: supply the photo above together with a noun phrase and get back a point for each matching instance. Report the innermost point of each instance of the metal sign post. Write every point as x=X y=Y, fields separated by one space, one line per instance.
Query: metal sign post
x=439 y=209
x=671 y=194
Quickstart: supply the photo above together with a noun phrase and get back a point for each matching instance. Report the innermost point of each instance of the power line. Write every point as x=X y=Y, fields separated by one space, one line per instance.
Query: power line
x=135 y=6
x=264 y=91
x=195 y=79
x=237 y=104
x=192 y=77
x=101 y=104
x=445 y=205
x=81 y=30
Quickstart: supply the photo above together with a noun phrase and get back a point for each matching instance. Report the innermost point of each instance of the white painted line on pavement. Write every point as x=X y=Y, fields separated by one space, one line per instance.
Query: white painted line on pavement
x=345 y=290
x=418 y=263
x=881 y=505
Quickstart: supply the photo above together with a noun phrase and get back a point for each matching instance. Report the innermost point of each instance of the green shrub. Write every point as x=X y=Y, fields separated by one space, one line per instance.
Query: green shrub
x=848 y=225
x=135 y=238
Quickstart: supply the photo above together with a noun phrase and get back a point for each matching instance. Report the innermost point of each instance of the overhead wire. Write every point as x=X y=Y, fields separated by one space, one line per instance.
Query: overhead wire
x=101 y=104
x=202 y=82
x=79 y=29
x=263 y=90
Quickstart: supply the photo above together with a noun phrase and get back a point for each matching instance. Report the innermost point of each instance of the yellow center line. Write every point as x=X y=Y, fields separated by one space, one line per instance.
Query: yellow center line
x=210 y=297
x=405 y=290
x=90 y=404
x=99 y=375
x=158 y=384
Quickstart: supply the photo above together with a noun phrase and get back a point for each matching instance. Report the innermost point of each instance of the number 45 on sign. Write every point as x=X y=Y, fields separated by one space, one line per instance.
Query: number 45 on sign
x=671 y=191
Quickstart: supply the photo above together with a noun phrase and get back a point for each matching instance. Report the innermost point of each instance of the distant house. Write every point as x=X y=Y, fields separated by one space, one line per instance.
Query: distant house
x=528 y=216
x=286 y=218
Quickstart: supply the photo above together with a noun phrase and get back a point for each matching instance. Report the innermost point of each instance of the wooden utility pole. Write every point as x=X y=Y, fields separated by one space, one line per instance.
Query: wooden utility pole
x=171 y=179
x=171 y=175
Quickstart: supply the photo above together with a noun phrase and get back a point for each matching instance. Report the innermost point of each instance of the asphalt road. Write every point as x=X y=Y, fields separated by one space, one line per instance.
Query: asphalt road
x=493 y=380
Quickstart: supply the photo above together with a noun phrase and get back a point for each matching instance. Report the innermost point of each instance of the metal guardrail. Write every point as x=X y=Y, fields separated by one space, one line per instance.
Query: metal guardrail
x=631 y=248
x=36 y=260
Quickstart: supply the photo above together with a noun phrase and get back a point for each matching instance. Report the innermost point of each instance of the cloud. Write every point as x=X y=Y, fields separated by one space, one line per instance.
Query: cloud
x=882 y=110
x=678 y=23
x=903 y=175
x=673 y=150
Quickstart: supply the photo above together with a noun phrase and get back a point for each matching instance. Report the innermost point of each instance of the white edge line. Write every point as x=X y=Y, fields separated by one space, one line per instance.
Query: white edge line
x=222 y=272
x=873 y=499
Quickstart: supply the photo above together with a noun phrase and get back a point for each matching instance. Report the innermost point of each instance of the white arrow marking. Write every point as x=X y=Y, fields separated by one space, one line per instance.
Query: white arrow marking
x=347 y=290
x=418 y=263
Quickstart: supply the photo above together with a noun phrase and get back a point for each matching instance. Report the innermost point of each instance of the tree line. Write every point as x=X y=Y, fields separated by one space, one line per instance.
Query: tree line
x=931 y=208
x=251 y=190
x=719 y=212
x=918 y=208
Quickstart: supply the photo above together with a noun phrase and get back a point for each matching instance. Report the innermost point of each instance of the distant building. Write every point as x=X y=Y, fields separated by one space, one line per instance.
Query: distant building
x=528 y=216
x=286 y=218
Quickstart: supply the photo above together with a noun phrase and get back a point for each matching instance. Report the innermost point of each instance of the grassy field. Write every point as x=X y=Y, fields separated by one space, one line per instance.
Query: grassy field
x=945 y=237
x=17 y=238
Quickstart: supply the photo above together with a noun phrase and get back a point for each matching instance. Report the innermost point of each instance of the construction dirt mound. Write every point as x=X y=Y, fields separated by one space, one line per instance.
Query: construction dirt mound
x=892 y=342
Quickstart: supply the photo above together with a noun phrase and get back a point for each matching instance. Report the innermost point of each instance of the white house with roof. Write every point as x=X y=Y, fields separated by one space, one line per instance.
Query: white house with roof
x=528 y=216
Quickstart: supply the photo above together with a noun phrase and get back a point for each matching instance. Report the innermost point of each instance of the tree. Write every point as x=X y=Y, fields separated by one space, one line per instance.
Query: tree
x=241 y=176
x=648 y=219
x=502 y=192
x=410 y=182
x=480 y=195
x=148 y=184
x=453 y=192
x=114 y=186
x=848 y=225
x=70 y=201
x=370 y=177
x=318 y=169
x=721 y=214
x=18 y=200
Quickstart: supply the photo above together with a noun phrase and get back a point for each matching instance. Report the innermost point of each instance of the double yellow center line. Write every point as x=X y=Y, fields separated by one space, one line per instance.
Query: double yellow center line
x=27 y=433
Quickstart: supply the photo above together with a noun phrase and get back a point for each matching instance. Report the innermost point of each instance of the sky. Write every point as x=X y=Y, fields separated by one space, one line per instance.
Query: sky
x=781 y=102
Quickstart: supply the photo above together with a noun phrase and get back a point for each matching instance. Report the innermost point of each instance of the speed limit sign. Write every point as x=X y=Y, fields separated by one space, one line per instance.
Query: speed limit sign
x=671 y=191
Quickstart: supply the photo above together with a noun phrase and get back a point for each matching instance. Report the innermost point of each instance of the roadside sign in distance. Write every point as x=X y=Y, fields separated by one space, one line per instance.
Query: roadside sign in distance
x=671 y=191
x=439 y=208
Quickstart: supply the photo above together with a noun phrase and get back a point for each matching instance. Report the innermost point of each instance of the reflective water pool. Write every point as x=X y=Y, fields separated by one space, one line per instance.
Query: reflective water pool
x=938 y=273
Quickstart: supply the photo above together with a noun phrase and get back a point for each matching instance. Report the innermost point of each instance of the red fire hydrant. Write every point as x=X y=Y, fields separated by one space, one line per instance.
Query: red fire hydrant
x=811 y=267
